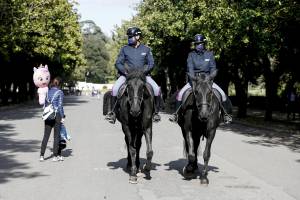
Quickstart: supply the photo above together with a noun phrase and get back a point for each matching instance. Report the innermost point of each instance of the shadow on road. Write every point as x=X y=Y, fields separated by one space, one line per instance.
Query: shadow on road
x=122 y=163
x=33 y=109
x=67 y=152
x=267 y=138
x=179 y=164
x=74 y=101
x=10 y=167
x=19 y=112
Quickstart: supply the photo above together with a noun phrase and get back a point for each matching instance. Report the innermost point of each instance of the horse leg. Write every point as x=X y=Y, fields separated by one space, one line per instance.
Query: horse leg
x=133 y=171
x=189 y=169
x=206 y=156
x=138 y=145
x=128 y=166
x=149 y=153
x=132 y=153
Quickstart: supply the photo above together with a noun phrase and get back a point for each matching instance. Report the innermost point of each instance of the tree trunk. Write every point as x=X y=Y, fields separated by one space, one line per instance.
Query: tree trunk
x=241 y=88
x=272 y=82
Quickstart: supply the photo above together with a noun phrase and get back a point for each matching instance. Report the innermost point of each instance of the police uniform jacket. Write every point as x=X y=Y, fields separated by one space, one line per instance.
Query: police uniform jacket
x=203 y=62
x=134 y=58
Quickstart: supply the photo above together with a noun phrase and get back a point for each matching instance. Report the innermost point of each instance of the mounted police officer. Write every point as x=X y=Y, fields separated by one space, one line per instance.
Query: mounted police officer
x=134 y=55
x=200 y=60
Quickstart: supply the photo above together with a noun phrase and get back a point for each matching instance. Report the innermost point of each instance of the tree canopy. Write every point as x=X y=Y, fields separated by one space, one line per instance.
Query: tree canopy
x=250 y=39
x=37 y=32
x=95 y=52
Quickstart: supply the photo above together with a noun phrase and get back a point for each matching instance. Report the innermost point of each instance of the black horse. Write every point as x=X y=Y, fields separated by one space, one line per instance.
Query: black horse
x=199 y=117
x=135 y=111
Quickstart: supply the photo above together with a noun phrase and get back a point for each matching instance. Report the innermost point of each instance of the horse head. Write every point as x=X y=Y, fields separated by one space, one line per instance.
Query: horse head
x=136 y=84
x=203 y=94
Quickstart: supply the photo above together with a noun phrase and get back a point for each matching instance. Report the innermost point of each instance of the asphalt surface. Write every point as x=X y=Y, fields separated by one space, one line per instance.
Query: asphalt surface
x=246 y=163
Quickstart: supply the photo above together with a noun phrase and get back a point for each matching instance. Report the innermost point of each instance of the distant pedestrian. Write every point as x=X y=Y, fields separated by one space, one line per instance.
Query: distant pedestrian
x=291 y=103
x=56 y=96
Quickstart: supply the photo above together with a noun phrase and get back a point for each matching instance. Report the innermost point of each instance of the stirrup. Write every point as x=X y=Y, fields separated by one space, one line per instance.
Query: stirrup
x=111 y=117
x=227 y=119
x=156 y=117
x=173 y=118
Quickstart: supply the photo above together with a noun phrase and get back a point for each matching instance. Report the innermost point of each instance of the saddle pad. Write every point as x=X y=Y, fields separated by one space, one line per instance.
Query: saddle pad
x=124 y=86
x=150 y=89
x=186 y=94
x=121 y=90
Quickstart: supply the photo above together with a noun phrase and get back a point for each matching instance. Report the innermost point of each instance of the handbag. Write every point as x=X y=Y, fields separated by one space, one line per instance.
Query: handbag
x=49 y=112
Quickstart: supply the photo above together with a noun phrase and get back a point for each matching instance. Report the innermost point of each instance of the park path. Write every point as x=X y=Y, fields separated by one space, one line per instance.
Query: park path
x=246 y=163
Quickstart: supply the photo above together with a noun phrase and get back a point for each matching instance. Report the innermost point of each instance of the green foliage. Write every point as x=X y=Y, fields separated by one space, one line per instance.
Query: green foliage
x=95 y=51
x=47 y=29
x=34 y=32
x=249 y=39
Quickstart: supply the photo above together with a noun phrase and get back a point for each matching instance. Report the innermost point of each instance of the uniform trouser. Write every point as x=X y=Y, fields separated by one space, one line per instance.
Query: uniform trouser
x=49 y=124
x=187 y=86
x=122 y=79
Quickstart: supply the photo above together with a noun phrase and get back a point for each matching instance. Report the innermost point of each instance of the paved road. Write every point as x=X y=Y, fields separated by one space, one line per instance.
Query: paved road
x=246 y=163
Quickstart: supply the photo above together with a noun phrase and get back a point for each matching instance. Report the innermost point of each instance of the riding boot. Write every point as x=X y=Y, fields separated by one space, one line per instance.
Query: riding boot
x=111 y=116
x=156 y=116
x=227 y=111
x=174 y=116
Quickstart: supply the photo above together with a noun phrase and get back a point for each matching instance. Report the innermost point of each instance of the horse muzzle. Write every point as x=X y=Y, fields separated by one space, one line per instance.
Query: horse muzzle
x=203 y=115
x=135 y=112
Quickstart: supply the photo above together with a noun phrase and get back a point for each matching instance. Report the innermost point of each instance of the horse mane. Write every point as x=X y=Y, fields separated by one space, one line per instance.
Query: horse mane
x=136 y=74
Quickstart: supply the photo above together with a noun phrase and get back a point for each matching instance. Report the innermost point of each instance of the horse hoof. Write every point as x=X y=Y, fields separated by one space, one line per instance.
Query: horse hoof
x=147 y=167
x=204 y=181
x=133 y=179
x=188 y=175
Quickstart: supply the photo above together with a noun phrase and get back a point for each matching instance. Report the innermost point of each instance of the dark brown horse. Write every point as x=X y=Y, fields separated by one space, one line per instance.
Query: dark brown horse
x=199 y=117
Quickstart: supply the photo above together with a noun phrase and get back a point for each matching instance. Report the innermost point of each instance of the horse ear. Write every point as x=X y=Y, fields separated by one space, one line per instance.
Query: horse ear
x=213 y=74
x=145 y=69
x=191 y=76
x=34 y=69
x=46 y=66
x=41 y=65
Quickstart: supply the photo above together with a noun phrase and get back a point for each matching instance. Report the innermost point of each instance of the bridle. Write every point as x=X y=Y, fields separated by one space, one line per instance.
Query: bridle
x=204 y=104
x=139 y=98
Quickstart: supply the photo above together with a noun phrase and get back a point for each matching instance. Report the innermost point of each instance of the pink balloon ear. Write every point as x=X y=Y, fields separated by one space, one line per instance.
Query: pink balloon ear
x=41 y=65
x=46 y=66
x=34 y=69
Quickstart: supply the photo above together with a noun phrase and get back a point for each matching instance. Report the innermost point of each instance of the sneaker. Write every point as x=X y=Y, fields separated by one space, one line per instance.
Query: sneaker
x=156 y=117
x=60 y=158
x=173 y=118
x=42 y=158
x=55 y=159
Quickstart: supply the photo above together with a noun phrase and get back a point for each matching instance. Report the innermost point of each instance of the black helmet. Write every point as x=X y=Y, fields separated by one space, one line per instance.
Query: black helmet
x=134 y=31
x=198 y=38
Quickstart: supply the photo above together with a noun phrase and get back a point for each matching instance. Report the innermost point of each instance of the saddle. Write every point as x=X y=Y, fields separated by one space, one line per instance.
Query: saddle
x=189 y=91
x=124 y=86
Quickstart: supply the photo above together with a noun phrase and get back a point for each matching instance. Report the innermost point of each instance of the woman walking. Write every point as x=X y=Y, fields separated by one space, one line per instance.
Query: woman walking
x=54 y=96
